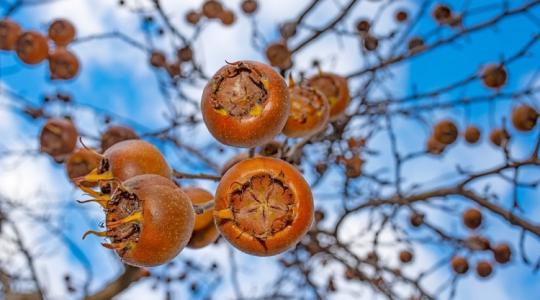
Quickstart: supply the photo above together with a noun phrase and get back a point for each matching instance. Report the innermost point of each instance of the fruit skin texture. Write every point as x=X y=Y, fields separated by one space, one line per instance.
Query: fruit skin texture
x=524 y=117
x=32 y=47
x=9 y=32
x=58 y=137
x=472 y=218
x=472 y=134
x=130 y=158
x=336 y=90
x=62 y=32
x=494 y=76
x=460 y=265
x=204 y=230
x=310 y=111
x=405 y=256
x=502 y=253
x=82 y=162
x=279 y=55
x=499 y=137
x=285 y=231
x=168 y=219
x=445 y=132
x=116 y=134
x=258 y=120
x=63 y=64
x=484 y=269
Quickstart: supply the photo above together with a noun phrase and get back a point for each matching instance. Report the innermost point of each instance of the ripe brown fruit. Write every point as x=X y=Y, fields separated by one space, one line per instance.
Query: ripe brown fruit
x=227 y=17
x=494 y=76
x=405 y=256
x=472 y=218
x=81 y=163
x=288 y=29
x=9 y=32
x=336 y=90
x=472 y=134
x=212 y=9
x=149 y=220
x=279 y=55
x=478 y=243
x=272 y=149
x=484 y=268
x=62 y=32
x=401 y=16
x=174 y=69
x=416 y=219
x=116 y=134
x=353 y=166
x=502 y=253
x=434 y=147
x=363 y=26
x=245 y=104
x=193 y=17
x=445 y=132
x=158 y=59
x=460 y=265
x=249 y=6
x=263 y=206
x=416 y=44
x=499 y=137
x=524 y=117
x=32 y=47
x=128 y=159
x=370 y=43
x=58 y=137
x=442 y=14
x=63 y=64
x=310 y=111
x=204 y=229
x=185 y=54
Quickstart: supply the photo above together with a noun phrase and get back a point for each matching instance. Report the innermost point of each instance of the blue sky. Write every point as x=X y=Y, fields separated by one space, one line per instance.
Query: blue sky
x=116 y=78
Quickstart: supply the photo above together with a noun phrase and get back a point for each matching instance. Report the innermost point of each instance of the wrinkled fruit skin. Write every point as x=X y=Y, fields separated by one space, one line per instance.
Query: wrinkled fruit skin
x=310 y=111
x=82 y=162
x=204 y=230
x=116 y=134
x=58 y=137
x=524 y=117
x=9 y=32
x=245 y=104
x=32 y=47
x=263 y=206
x=130 y=158
x=62 y=32
x=336 y=90
x=63 y=64
x=167 y=223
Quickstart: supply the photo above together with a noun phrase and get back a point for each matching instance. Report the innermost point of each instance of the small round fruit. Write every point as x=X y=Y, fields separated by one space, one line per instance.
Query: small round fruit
x=353 y=166
x=524 y=117
x=416 y=44
x=212 y=9
x=363 y=26
x=434 y=147
x=442 y=14
x=502 y=253
x=472 y=218
x=62 y=32
x=158 y=59
x=227 y=17
x=116 y=134
x=63 y=64
x=279 y=56
x=401 y=16
x=477 y=243
x=416 y=219
x=370 y=43
x=499 y=137
x=445 y=132
x=9 y=32
x=494 y=76
x=193 y=17
x=405 y=256
x=130 y=158
x=310 y=111
x=263 y=206
x=460 y=265
x=185 y=54
x=249 y=6
x=288 y=29
x=245 y=104
x=81 y=163
x=336 y=90
x=204 y=229
x=32 y=47
x=484 y=268
x=149 y=220
x=58 y=137
x=472 y=134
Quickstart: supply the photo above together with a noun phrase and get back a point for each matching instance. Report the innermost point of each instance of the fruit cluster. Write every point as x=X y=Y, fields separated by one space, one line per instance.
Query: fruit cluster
x=33 y=47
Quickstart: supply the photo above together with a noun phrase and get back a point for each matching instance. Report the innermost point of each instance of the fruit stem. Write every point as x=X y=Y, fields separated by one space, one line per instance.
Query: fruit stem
x=202 y=208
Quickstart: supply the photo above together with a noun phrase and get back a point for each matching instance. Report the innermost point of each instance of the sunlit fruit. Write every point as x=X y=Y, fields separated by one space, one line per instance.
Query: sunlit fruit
x=279 y=55
x=336 y=90
x=472 y=134
x=116 y=134
x=204 y=229
x=32 y=47
x=472 y=218
x=310 y=111
x=502 y=253
x=81 y=162
x=445 y=132
x=499 y=137
x=460 y=265
x=484 y=268
x=494 y=76
x=524 y=117
x=58 y=137
x=63 y=64
x=62 y=32
x=9 y=32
